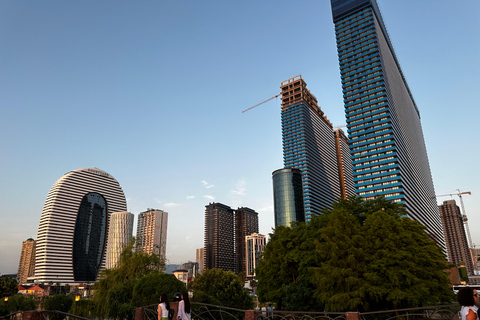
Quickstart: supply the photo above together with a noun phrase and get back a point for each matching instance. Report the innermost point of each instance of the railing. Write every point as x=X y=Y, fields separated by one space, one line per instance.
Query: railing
x=298 y=315
x=42 y=315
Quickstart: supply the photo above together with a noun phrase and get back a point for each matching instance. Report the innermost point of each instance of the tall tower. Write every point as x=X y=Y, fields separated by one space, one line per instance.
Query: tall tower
x=246 y=223
x=200 y=258
x=455 y=237
x=387 y=147
x=288 y=196
x=26 y=266
x=309 y=145
x=119 y=236
x=72 y=235
x=152 y=231
x=255 y=244
x=219 y=237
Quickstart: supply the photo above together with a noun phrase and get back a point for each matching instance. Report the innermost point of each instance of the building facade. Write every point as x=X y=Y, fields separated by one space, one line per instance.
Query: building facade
x=288 y=196
x=26 y=266
x=310 y=145
x=219 y=237
x=73 y=230
x=200 y=258
x=246 y=223
x=386 y=140
x=152 y=232
x=119 y=236
x=255 y=244
x=455 y=236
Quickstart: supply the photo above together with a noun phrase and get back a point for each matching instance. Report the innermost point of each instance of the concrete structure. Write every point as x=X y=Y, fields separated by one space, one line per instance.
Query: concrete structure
x=192 y=268
x=219 y=237
x=255 y=244
x=119 y=236
x=72 y=235
x=288 y=196
x=246 y=223
x=200 y=258
x=310 y=145
x=455 y=236
x=152 y=232
x=26 y=266
x=388 y=150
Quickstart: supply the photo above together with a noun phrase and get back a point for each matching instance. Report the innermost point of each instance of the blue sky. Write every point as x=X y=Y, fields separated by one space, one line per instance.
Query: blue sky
x=152 y=92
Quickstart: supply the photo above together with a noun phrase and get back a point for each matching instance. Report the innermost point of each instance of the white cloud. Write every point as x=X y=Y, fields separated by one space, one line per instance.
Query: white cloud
x=240 y=188
x=171 y=204
x=206 y=184
x=190 y=197
x=209 y=197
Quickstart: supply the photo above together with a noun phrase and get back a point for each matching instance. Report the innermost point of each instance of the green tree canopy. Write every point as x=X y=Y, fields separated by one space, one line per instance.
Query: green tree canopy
x=148 y=289
x=8 y=286
x=223 y=287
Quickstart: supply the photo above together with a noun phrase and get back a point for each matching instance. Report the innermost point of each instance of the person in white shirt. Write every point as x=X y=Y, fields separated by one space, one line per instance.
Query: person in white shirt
x=163 y=307
x=468 y=298
x=184 y=312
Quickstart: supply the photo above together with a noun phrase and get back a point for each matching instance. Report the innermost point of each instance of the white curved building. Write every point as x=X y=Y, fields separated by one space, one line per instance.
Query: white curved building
x=119 y=236
x=72 y=235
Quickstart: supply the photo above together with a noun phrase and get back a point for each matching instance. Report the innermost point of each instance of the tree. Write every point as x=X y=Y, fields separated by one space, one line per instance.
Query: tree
x=8 y=286
x=20 y=302
x=282 y=272
x=223 y=287
x=149 y=288
x=376 y=258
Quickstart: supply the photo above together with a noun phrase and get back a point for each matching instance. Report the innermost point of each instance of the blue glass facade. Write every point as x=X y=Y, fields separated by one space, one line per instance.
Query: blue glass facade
x=288 y=196
x=386 y=140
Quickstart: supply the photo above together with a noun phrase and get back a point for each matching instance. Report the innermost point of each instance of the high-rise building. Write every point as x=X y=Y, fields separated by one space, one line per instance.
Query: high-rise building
x=219 y=237
x=255 y=244
x=310 y=145
x=192 y=268
x=200 y=258
x=73 y=230
x=288 y=196
x=152 y=232
x=386 y=140
x=119 y=236
x=26 y=266
x=345 y=170
x=246 y=223
x=455 y=237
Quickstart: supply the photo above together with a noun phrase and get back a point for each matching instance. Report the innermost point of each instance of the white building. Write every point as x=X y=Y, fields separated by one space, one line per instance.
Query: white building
x=119 y=236
x=254 y=244
x=152 y=231
x=72 y=235
x=200 y=258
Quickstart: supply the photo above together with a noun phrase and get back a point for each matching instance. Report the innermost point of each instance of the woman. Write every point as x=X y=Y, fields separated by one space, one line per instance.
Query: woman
x=163 y=307
x=468 y=298
x=184 y=308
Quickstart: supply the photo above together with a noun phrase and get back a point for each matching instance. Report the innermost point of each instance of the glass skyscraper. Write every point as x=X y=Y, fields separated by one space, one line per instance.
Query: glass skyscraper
x=387 y=147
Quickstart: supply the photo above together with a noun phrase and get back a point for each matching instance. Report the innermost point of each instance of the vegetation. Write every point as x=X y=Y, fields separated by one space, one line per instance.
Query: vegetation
x=362 y=255
x=219 y=287
x=8 y=286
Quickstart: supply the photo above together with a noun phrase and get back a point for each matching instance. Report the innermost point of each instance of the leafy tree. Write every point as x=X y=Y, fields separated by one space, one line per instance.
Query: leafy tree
x=58 y=302
x=149 y=288
x=8 y=286
x=225 y=287
x=282 y=273
x=20 y=302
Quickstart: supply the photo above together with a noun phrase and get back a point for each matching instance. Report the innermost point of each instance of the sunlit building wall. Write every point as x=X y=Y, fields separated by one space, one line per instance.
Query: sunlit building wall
x=26 y=266
x=119 y=236
x=152 y=232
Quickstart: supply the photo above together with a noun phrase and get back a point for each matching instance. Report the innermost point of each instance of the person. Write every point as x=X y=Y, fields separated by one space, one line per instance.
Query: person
x=163 y=307
x=184 y=312
x=468 y=298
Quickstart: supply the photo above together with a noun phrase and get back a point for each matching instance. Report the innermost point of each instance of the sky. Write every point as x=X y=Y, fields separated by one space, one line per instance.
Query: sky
x=152 y=92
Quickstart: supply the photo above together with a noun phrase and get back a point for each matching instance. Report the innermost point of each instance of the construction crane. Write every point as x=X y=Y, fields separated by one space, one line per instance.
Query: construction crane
x=464 y=214
x=261 y=103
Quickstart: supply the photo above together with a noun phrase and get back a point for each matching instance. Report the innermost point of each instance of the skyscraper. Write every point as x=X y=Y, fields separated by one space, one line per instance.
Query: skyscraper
x=152 y=231
x=246 y=223
x=255 y=244
x=219 y=237
x=387 y=147
x=72 y=235
x=309 y=144
x=288 y=196
x=455 y=237
x=119 y=236
x=26 y=266
x=200 y=258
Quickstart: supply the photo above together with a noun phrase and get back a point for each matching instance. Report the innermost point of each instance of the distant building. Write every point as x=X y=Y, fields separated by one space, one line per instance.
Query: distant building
x=200 y=258
x=73 y=229
x=455 y=237
x=182 y=275
x=255 y=244
x=311 y=145
x=219 y=237
x=192 y=268
x=387 y=147
x=288 y=196
x=119 y=236
x=152 y=231
x=26 y=266
x=246 y=223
